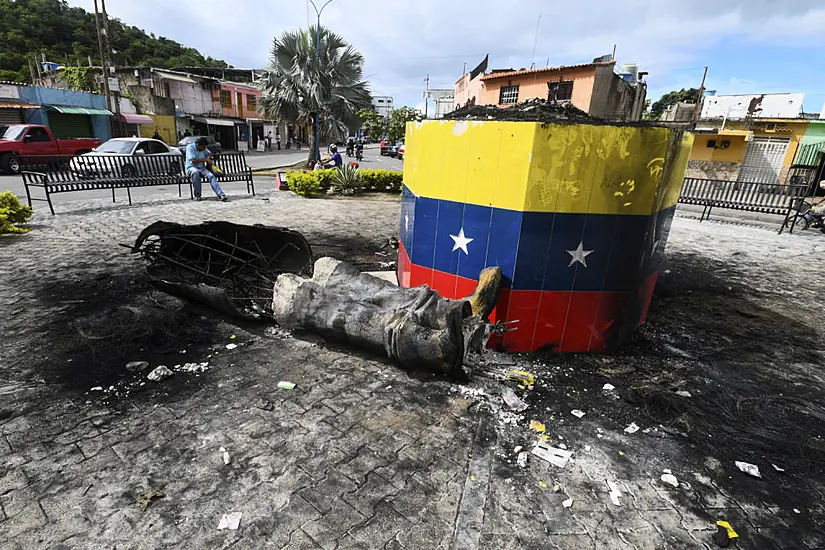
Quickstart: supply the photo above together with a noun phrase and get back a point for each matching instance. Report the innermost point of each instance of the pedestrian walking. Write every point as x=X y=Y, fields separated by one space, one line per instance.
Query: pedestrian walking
x=278 y=141
x=269 y=141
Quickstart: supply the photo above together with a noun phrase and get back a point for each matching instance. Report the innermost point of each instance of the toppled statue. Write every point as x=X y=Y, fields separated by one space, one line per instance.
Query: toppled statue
x=414 y=327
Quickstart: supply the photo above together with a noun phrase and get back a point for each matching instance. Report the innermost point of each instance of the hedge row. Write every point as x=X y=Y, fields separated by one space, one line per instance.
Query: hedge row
x=309 y=183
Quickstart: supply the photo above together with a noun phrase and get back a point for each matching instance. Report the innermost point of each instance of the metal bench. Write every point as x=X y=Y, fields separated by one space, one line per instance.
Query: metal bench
x=64 y=174
x=766 y=198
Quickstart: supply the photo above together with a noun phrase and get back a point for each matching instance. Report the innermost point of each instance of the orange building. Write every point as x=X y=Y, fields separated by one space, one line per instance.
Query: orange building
x=592 y=87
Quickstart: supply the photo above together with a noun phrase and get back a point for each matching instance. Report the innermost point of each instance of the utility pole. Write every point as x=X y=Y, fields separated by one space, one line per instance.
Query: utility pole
x=698 y=108
x=318 y=62
x=103 y=58
x=426 y=96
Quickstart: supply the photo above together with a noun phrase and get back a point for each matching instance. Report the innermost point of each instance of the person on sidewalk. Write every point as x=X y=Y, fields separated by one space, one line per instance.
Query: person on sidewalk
x=199 y=166
x=269 y=141
x=278 y=141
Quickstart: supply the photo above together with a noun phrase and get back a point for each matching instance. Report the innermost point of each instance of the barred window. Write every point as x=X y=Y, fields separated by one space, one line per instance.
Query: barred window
x=508 y=95
x=251 y=102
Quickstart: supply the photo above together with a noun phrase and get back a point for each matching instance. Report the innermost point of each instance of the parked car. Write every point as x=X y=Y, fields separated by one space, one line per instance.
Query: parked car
x=128 y=157
x=400 y=151
x=23 y=140
x=213 y=146
x=394 y=149
x=384 y=147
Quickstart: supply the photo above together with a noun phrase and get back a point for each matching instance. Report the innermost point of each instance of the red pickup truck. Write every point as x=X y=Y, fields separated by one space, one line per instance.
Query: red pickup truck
x=35 y=140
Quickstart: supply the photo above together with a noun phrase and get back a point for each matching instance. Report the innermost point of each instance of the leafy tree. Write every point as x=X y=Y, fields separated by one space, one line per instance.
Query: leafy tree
x=68 y=35
x=372 y=123
x=399 y=119
x=671 y=98
x=297 y=84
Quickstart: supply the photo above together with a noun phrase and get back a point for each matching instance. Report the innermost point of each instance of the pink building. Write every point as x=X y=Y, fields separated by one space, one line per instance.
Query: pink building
x=238 y=100
x=592 y=87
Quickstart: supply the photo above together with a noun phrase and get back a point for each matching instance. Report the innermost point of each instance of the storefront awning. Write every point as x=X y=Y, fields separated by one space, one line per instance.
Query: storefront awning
x=215 y=121
x=80 y=110
x=11 y=105
x=136 y=119
x=176 y=77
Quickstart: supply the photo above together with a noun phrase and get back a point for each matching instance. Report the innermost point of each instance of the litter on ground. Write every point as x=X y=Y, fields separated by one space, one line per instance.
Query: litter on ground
x=577 y=413
x=225 y=455
x=615 y=493
x=555 y=456
x=512 y=400
x=750 y=469
x=231 y=346
x=286 y=385
x=670 y=479
x=537 y=426
x=522 y=459
x=567 y=503
x=724 y=534
x=230 y=521
x=632 y=429
x=160 y=373
x=146 y=497
x=521 y=376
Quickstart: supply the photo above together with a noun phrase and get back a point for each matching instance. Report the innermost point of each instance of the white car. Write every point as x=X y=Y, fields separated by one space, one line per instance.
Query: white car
x=128 y=157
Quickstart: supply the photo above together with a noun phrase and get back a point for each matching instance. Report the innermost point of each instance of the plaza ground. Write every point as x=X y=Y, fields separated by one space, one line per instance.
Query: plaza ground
x=363 y=455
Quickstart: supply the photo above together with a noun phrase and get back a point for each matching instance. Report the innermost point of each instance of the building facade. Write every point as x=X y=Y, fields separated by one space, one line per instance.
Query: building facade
x=383 y=105
x=67 y=113
x=592 y=87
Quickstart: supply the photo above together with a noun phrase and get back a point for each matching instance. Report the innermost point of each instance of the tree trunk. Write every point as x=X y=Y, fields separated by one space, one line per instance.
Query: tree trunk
x=312 y=140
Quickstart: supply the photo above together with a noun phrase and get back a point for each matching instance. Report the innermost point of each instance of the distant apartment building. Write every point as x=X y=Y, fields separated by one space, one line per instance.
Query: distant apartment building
x=595 y=88
x=382 y=104
x=444 y=99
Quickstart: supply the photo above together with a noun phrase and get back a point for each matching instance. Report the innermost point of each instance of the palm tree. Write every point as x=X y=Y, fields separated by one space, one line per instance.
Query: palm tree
x=296 y=84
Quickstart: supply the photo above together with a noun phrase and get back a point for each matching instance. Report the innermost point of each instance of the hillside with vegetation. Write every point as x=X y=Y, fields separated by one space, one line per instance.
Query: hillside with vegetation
x=67 y=35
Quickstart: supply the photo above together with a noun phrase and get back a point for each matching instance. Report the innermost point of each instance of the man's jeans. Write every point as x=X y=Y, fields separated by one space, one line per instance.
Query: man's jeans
x=198 y=174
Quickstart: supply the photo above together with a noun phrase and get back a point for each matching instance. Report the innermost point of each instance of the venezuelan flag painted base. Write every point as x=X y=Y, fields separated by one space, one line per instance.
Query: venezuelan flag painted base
x=576 y=216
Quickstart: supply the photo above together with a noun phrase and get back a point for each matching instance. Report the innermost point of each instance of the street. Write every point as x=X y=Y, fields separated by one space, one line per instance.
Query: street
x=257 y=161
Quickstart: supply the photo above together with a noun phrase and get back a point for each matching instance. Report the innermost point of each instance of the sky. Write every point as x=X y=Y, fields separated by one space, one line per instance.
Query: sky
x=750 y=46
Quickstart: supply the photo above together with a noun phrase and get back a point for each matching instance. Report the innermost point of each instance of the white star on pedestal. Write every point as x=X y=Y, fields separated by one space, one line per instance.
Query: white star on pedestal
x=461 y=241
x=579 y=255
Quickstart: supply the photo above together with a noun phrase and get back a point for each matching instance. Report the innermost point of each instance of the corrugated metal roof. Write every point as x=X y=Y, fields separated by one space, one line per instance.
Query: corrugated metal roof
x=11 y=105
x=494 y=76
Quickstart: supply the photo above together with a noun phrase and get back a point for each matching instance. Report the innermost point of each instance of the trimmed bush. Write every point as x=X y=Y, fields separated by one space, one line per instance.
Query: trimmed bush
x=13 y=213
x=309 y=183
x=304 y=184
x=381 y=180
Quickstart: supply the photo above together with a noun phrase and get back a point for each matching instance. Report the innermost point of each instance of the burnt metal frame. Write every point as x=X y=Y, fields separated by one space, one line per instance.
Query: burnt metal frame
x=766 y=198
x=54 y=174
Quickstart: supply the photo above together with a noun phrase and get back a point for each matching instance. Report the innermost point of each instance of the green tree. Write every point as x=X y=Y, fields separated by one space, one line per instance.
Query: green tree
x=297 y=84
x=68 y=35
x=399 y=119
x=372 y=123
x=671 y=98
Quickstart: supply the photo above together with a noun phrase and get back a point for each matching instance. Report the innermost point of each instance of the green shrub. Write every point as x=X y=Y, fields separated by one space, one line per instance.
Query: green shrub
x=309 y=183
x=345 y=181
x=381 y=180
x=13 y=213
x=304 y=184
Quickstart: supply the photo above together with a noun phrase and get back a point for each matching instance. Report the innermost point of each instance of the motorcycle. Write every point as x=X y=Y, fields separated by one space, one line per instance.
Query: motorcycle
x=359 y=152
x=350 y=148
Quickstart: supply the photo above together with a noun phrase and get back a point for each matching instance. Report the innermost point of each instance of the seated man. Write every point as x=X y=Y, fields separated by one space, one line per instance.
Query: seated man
x=335 y=161
x=199 y=166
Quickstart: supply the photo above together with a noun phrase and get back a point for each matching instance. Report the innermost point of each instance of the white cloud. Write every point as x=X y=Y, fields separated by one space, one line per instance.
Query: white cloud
x=405 y=41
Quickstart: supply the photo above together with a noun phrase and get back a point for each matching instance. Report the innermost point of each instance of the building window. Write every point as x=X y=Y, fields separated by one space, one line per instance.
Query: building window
x=251 y=102
x=380 y=101
x=560 y=91
x=508 y=95
x=226 y=99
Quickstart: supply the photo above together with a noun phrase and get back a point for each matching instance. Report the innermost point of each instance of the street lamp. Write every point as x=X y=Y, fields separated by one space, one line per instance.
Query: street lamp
x=318 y=61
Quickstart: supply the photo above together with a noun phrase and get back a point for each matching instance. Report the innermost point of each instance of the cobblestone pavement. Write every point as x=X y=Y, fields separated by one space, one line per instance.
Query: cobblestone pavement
x=358 y=455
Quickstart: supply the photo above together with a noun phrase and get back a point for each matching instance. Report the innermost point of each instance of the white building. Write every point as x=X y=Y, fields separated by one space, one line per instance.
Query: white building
x=444 y=100
x=382 y=105
x=752 y=106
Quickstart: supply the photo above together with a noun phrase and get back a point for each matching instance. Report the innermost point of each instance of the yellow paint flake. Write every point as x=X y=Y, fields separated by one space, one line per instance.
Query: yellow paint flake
x=537 y=426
